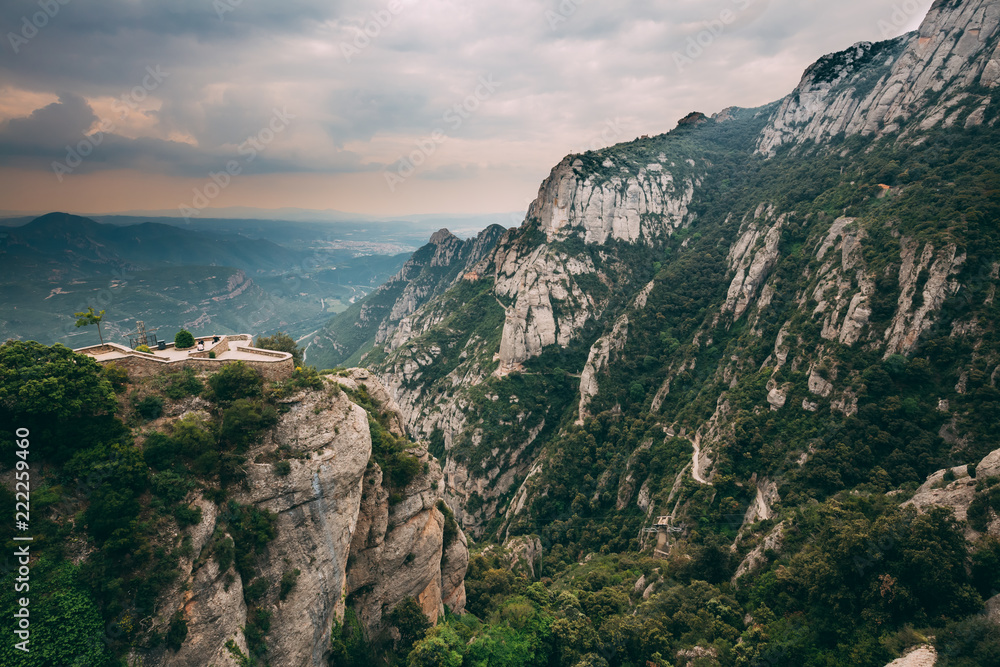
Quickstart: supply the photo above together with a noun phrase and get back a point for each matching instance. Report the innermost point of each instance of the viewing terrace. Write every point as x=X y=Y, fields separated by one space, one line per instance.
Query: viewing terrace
x=217 y=350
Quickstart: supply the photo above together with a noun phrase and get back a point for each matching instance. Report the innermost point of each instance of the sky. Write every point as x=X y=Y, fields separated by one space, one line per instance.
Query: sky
x=381 y=107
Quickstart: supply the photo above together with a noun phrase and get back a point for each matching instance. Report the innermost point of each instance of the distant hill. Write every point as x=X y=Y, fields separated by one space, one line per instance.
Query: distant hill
x=56 y=246
x=172 y=278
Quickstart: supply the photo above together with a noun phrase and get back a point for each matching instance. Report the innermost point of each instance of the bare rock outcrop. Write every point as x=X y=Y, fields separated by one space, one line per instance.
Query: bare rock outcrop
x=334 y=524
x=623 y=203
x=756 y=558
x=398 y=549
x=955 y=489
x=880 y=89
x=936 y=491
x=751 y=258
x=922 y=656
x=909 y=321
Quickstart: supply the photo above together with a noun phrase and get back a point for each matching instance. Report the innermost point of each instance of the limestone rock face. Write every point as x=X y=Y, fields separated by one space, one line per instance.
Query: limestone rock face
x=437 y=266
x=909 y=322
x=755 y=559
x=633 y=205
x=397 y=550
x=214 y=616
x=534 y=283
x=844 y=287
x=922 y=656
x=958 y=493
x=335 y=525
x=751 y=258
x=622 y=206
x=878 y=89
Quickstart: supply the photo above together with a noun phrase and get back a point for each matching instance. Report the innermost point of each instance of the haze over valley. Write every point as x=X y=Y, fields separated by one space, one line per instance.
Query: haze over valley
x=722 y=391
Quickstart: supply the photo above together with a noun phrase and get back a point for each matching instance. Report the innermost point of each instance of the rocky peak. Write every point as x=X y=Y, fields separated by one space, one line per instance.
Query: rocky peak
x=693 y=118
x=442 y=236
x=335 y=525
x=901 y=86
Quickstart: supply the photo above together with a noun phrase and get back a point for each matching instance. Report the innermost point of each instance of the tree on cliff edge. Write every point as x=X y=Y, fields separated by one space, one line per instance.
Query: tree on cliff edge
x=88 y=317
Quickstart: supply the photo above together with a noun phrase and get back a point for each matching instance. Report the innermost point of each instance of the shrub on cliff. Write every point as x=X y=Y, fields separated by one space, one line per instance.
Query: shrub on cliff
x=183 y=339
x=280 y=342
x=235 y=381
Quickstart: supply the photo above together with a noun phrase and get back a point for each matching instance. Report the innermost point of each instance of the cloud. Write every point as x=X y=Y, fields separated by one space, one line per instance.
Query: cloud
x=366 y=79
x=48 y=128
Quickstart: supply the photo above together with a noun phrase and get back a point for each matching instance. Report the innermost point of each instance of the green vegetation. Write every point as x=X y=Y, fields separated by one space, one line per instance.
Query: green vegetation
x=288 y=581
x=302 y=378
x=235 y=381
x=116 y=376
x=281 y=342
x=183 y=340
x=150 y=407
x=399 y=467
x=860 y=580
x=181 y=384
x=62 y=398
x=66 y=626
x=88 y=317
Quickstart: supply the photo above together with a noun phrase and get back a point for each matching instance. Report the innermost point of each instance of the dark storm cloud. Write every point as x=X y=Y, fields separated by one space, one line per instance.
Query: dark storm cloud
x=49 y=128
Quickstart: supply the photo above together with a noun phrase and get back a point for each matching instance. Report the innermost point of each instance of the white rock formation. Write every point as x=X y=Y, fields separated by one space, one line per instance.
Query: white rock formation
x=922 y=656
x=873 y=90
x=752 y=257
x=635 y=208
x=333 y=524
x=909 y=322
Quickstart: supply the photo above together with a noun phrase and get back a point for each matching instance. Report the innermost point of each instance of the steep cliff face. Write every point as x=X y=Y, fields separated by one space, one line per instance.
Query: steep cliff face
x=426 y=275
x=701 y=281
x=335 y=525
x=625 y=201
x=383 y=317
x=941 y=75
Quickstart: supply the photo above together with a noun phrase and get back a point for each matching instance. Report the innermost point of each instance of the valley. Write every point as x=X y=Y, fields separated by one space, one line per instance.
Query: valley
x=726 y=397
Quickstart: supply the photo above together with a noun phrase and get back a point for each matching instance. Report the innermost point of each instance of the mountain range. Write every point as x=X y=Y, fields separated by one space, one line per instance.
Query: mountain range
x=759 y=315
x=726 y=397
x=208 y=279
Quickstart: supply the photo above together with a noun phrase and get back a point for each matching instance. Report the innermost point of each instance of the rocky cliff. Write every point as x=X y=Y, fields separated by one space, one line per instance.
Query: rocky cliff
x=941 y=75
x=780 y=248
x=383 y=317
x=351 y=542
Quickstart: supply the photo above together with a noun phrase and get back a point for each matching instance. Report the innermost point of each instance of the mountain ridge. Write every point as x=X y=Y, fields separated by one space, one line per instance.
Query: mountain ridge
x=432 y=269
x=574 y=264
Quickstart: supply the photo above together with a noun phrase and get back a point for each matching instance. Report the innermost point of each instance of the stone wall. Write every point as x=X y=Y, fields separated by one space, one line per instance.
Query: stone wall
x=273 y=366
x=142 y=365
